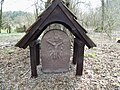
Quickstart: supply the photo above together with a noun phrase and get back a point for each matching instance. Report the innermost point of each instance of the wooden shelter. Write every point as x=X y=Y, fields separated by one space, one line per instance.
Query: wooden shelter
x=57 y=12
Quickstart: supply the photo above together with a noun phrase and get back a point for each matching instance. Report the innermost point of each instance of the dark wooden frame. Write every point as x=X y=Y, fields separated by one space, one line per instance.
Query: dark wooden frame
x=78 y=55
x=34 y=57
x=57 y=12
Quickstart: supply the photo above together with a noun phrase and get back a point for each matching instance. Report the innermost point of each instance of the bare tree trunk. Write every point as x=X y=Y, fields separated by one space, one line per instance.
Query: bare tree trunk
x=36 y=9
x=67 y=2
x=9 y=29
x=107 y=2
x=48 y=3
x=2 y=1
x=103 y=14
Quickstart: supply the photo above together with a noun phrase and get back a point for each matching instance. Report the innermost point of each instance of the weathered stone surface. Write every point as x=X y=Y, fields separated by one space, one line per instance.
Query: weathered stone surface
x=55 y=51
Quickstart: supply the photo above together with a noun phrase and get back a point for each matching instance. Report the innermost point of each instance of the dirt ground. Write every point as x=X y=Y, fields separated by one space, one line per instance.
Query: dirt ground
x=101 y=68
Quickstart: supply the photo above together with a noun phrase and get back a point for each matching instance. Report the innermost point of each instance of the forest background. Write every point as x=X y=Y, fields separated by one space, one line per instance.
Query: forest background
x=95 y=15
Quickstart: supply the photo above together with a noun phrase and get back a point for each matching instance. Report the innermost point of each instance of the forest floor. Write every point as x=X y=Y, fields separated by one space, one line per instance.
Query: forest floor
x=101 y=68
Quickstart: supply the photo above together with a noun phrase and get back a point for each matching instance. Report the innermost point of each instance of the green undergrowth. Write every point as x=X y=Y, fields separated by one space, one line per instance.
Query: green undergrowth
x=91 y=55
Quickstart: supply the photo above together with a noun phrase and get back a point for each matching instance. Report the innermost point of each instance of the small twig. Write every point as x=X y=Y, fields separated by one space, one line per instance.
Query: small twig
x=25 y=73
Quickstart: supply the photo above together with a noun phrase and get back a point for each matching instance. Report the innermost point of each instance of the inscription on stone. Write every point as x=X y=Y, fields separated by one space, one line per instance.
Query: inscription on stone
x=55 y=51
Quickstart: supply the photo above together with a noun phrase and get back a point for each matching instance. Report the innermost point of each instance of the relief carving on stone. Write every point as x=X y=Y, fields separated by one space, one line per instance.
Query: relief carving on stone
x=55 y=49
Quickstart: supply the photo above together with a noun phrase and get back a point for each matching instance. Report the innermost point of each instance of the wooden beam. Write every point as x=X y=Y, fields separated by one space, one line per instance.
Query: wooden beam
x=79 y=56
x=37 y=49
x=118 y=41
x=34 y=57
x=75 y=52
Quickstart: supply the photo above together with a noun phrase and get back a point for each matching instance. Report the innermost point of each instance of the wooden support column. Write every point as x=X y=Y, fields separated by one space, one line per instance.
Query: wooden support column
x=75 y=52
x=79 y=56
x=37 y=49
x=34 y=57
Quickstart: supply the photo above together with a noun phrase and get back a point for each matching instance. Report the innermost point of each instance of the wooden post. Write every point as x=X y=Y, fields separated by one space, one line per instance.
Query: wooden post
x=75 y=52
x=79 y=56
x=37 y=52
x=34 y=58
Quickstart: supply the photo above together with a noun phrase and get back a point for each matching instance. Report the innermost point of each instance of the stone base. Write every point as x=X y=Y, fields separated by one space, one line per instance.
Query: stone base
x=55 y=71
